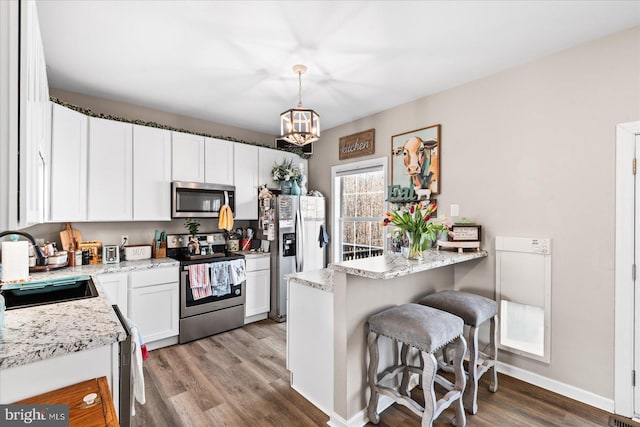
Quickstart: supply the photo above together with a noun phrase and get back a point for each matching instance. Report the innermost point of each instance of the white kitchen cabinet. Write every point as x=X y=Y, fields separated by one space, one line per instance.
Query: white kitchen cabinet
x=187 y=158
x=245 y=165
x=115 y=289
x=218 y=161
x=68 y=165
x=35 y=121
x=268 y=157
x=151 y=174
x=258 y=289
x=110 y=170
x=153 y=304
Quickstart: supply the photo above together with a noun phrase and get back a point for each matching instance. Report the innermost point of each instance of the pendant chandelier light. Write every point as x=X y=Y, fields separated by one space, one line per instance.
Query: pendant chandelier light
x=300 y=126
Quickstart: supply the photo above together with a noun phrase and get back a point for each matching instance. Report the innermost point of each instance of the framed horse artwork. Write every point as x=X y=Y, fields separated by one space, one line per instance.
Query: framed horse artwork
x=415 y=160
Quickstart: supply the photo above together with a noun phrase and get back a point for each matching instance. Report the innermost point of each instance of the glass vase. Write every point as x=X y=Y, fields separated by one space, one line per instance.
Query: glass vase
x=416 y=243
x=295 y=188
x=285 y=187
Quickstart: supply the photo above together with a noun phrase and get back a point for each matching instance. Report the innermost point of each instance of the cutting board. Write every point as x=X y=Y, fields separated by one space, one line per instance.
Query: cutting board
x=70 y=238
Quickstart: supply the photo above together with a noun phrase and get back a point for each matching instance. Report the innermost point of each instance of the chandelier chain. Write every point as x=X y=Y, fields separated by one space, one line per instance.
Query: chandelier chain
x=299 y=89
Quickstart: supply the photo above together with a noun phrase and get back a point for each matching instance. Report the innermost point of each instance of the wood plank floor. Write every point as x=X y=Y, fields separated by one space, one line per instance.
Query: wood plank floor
x=239 y=378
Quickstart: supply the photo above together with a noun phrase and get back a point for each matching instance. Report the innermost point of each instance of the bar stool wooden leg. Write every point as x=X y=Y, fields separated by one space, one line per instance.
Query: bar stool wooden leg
x=372 y=410
x=460 y=419
x=471 y=392
x=493 y=344
x=428 y=377
x=404 y=359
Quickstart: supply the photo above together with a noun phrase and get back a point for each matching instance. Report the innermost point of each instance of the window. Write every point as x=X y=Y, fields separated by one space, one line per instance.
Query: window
x=359 y=194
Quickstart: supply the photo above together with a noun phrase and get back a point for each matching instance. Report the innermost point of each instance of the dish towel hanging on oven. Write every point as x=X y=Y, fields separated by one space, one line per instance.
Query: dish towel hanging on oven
x=199 y=281
x=237 y=271
x=220 y=281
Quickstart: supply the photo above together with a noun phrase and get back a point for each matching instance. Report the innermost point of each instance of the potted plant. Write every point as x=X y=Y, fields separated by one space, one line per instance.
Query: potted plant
x=286 y=175
x=414 y=222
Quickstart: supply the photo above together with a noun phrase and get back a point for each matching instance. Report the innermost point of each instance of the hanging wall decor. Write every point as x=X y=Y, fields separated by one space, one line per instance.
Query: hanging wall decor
x=358 y=144
x=415 y=159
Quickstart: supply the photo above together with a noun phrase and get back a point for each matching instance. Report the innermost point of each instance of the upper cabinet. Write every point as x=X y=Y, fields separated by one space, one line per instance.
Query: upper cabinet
x=110 y=170
x=218 y=161
x=68 y=165
x=245 y=162
x=187 y=157
x=151 y=174
x=268 y=157
x=35 y=121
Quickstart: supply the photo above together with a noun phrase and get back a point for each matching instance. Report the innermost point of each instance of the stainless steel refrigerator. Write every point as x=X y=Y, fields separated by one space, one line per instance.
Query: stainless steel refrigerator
x=298 y=223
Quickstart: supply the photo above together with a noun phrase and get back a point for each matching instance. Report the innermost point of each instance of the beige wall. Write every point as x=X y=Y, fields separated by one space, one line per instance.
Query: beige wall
x=136 y=112
x=530 y=152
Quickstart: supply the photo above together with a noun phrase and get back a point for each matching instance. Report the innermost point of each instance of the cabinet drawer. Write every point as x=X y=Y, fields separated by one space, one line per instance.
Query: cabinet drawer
x=153 y=276
x=262 y=263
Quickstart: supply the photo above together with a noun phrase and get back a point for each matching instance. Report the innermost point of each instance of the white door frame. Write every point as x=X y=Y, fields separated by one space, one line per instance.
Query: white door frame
x=624 y=258
x=335 y=197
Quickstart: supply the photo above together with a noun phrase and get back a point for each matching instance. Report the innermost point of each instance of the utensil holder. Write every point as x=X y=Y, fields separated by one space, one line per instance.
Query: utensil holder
x=159 y=252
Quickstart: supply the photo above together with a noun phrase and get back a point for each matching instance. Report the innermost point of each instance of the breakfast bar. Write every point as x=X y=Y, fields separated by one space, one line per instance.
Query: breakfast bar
x=328 y=311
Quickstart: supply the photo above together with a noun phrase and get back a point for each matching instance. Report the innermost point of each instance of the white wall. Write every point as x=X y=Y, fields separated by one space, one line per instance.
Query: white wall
x=530 y=152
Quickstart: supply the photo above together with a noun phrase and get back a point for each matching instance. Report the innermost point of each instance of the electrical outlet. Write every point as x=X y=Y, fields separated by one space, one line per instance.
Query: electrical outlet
x=124 y=240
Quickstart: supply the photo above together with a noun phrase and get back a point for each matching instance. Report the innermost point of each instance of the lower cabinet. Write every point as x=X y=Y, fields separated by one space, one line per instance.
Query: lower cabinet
x=153 y=305
x=115 y=288
x=258 y=289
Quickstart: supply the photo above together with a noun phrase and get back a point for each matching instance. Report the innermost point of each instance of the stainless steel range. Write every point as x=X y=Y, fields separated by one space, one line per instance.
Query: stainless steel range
x=202 y=316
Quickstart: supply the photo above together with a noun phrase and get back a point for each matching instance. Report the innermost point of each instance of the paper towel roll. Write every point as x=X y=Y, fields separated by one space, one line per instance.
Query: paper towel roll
x=15 y=261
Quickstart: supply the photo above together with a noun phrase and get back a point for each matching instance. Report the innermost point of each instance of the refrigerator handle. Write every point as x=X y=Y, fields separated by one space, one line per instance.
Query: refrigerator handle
x=299 y=242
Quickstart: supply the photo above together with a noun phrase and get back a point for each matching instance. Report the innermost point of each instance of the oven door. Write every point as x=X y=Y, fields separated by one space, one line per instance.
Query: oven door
x=190 y=307
x=194 y=200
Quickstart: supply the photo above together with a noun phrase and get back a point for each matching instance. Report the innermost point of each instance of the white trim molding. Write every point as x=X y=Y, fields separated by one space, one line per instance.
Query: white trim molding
x=555 y=386
x=624 y=259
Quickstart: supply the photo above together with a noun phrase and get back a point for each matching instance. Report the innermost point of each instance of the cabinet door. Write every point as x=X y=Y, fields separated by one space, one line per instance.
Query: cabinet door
x=151 y=174
x=115 y=289
x=155 y=310
x=245 y=161
x=68 y=165
x=258 y=292
x=187 y=157
x=110 y=170
x=267 y=158
x=218 y=163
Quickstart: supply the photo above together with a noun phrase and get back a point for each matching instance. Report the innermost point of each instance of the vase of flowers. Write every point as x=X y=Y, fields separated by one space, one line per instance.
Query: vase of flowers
x=285 y=174
x=414 y=222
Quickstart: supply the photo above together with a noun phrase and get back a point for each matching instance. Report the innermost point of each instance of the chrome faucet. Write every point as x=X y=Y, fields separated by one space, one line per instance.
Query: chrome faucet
x=41 y=259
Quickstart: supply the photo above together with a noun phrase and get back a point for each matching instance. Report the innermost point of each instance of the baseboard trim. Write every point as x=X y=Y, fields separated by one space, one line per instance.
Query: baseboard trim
x=555 y=386
x=359 y=419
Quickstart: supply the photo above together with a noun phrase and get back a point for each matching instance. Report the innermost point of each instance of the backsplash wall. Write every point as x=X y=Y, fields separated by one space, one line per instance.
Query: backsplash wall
x=139 y=232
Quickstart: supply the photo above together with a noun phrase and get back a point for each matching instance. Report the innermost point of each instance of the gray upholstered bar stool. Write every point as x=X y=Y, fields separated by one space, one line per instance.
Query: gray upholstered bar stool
x=427 y=330
x=474 y=310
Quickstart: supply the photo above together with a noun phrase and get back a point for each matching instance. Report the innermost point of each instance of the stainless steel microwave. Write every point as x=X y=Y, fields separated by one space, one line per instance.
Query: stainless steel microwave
x=195 y=200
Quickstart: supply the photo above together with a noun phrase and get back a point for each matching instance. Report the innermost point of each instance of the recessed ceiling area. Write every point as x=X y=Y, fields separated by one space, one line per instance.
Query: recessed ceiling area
x=230 y=62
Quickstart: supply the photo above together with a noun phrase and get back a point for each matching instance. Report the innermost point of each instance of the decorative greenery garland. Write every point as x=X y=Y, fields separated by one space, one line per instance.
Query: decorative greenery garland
x=88 y=112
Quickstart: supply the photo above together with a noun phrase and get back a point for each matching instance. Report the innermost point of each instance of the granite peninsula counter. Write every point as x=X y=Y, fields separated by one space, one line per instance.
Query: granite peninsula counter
x=326 y=323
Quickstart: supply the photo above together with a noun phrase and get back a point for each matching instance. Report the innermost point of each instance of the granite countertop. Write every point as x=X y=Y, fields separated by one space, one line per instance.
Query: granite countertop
x=395 y=265
x=42 y=332
x=319 y=279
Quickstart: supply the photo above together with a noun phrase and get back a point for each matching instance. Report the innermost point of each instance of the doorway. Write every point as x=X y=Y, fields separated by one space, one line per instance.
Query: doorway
x=627 y=249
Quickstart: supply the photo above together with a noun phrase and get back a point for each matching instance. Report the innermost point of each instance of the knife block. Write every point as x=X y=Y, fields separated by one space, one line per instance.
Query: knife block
x=161 y=252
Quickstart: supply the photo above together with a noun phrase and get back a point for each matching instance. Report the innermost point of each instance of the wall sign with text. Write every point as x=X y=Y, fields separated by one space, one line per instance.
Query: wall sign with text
x=358 y=144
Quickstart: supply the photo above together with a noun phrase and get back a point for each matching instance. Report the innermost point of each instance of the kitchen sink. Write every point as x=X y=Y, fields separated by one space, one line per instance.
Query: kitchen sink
x=52 y=291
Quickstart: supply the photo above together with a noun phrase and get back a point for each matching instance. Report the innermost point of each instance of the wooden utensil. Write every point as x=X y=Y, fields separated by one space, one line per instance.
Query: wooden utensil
x=70 y=238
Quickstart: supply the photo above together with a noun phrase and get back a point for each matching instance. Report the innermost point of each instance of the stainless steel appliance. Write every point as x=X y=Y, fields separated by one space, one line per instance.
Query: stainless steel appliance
x=295 y=227
x=207 y=316
x=196 y=200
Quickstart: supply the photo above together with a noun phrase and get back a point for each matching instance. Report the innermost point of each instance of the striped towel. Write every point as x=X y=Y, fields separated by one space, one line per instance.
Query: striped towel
x=199 y=281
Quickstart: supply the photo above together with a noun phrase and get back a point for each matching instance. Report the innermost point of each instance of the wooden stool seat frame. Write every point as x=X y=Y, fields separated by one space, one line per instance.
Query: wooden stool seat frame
x=428 y=371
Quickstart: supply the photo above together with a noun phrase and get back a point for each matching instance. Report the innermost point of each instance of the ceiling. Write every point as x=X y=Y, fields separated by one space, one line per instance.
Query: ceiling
x=231 y=61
